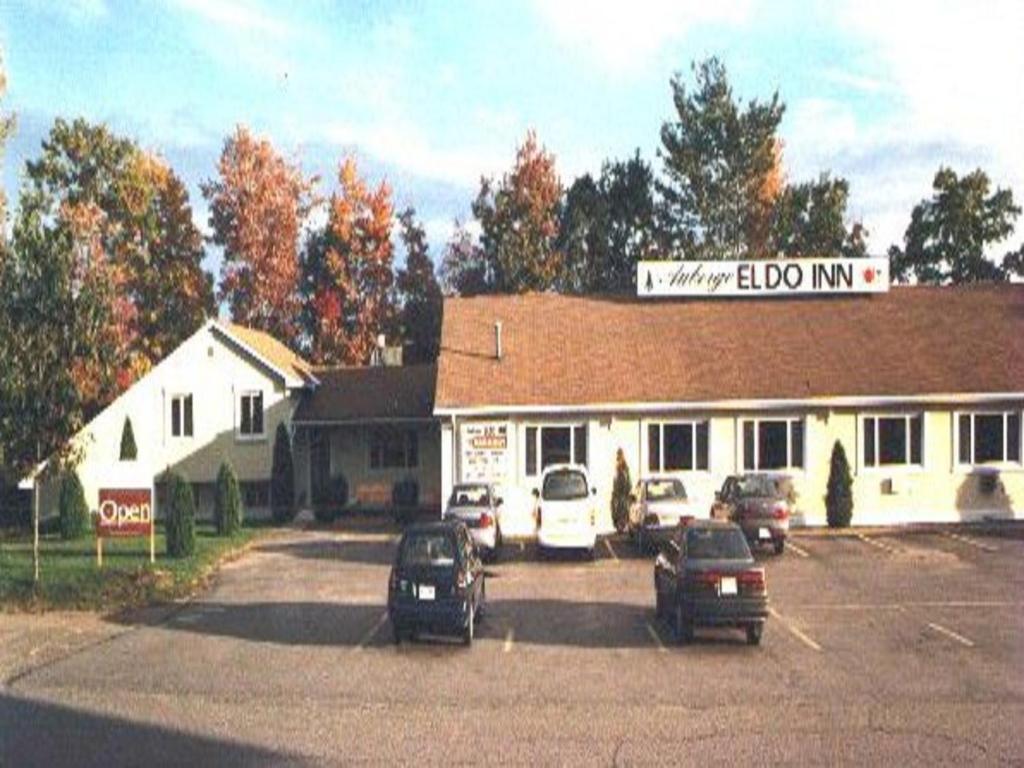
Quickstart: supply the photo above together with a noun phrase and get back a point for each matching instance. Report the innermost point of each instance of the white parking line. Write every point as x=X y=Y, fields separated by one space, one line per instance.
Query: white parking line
x=373 y=631
x=611 y=551
x=970 y=542
x=878 y=544
x=656 y=637
x=951 y=634
x=510 y=636
x=795 y=631
x=795 y=548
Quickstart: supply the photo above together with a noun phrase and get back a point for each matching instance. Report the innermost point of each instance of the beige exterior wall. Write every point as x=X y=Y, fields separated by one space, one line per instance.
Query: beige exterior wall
x=938 y=491
x=216 y=374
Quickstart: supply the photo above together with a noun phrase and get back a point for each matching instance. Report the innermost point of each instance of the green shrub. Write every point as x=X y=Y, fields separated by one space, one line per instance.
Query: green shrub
x=839 y=498
x=622 y=488
x=128 y=450
x=331 y=502
x=227 y=505
x=282 y=478
x=181 y=518
x=74 y=512
x=405 y=492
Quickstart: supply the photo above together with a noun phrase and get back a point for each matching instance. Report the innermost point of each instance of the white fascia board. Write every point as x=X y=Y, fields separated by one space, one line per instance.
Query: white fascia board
x=874 y=401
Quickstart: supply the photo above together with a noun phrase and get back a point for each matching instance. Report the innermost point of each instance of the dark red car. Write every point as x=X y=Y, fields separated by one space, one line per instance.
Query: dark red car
x=760 y=504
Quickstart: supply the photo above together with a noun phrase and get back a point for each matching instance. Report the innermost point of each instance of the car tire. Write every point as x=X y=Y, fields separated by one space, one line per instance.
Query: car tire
x=682 y=626
x=754 y=632
x=780 y=545
x=470 y=629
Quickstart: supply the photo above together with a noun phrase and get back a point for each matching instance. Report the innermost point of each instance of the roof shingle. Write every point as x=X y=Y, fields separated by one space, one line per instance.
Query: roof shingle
x=370 y=394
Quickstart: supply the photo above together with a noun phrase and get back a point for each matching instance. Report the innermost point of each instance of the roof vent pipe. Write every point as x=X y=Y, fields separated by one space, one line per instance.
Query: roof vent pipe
x=497 y=339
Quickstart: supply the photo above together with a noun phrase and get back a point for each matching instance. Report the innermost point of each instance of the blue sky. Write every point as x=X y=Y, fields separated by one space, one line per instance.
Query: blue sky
x=432 y=95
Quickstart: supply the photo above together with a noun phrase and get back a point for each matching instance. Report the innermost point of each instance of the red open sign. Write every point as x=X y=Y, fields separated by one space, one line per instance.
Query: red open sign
x=125 y=512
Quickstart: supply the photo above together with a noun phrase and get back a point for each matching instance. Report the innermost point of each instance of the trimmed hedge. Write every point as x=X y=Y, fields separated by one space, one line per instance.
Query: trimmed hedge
x=227 y=505
x=128 y=450
x=181 y=518
x=329 y=506
x=74 y=512
x=839 y=497
x=622 y=488
x=405 y=493
x=282 y=478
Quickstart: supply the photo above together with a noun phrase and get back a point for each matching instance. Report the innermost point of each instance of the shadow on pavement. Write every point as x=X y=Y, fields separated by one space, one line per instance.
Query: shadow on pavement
x=367 y=552
x=41 y=733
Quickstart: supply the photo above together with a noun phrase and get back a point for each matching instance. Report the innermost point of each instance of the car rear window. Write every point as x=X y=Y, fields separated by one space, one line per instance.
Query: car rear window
x=428 y=549
x=470 y=496
x=753 y=486
x=716 y=544
x=565 y=485
x=665 y=490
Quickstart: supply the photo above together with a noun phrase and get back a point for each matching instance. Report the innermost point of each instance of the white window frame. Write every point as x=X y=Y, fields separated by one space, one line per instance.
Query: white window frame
x=907 y=465
x=661 y=424
x=1005 y=413
x=181 y=398
x=740 y=441
x=572 y=426
x=251 y=436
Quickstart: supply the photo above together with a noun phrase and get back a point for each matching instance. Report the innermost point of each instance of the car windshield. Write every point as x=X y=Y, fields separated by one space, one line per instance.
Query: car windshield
x=665 y=490
x=716 y=544
x=428 y=549
x=565 y=485
x=470 y=496
x=749 y=486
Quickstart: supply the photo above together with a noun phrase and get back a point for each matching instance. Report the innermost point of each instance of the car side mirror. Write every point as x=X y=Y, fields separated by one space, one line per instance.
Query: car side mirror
x=536 y=493
x=593 y=491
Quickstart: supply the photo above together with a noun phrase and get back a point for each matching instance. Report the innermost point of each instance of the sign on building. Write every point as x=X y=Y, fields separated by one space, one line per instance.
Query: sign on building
x=484 y=449
x=762 y=277
x=125 y=512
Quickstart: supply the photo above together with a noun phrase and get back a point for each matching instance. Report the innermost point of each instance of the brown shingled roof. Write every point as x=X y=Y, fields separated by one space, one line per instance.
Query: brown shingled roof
x=370 y=394
x=271 y=350
x=577 y=351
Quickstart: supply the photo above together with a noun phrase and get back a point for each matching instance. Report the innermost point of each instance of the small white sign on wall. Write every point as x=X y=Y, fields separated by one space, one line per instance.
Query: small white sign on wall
x=484 y=452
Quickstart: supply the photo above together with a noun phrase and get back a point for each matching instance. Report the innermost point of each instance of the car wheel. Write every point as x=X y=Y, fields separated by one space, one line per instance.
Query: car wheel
x=470 y=629
x=682 y=626
x=780 y=545
x=754 y=634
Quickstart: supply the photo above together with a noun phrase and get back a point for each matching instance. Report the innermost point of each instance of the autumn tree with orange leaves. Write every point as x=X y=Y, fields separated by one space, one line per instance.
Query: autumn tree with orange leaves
x=258 y=205
x=347 y=277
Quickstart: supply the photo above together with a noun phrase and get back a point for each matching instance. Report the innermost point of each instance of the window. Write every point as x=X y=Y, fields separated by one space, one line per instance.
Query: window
x=773 y=444
x=555 y=445
x=986 y=438
x=181 y=416
x=678 y=446
x=394 y=449
x=893 y=440
x=250 y=423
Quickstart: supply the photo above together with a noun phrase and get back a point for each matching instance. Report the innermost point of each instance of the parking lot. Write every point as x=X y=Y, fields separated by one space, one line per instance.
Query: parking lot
x=904 y=647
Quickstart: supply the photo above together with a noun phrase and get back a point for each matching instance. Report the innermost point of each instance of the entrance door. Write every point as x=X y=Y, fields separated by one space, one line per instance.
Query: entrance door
x=319 y=466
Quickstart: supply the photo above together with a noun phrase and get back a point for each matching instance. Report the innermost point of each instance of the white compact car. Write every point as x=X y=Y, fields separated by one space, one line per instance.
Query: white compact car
x=566 y=509
x=479 y=507
x=658 y=506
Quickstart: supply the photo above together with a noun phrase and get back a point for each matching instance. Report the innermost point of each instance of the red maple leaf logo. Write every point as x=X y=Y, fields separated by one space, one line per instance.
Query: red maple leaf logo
x=869 y=275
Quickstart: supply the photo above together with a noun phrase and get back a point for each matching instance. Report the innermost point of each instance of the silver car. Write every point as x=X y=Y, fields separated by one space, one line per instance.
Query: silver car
x=479 y=507
x=658 y=505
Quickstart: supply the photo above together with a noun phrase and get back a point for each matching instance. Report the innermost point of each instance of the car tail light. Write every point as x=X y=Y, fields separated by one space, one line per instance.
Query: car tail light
x=486 y=521
x=752 y=581
x=781 y=512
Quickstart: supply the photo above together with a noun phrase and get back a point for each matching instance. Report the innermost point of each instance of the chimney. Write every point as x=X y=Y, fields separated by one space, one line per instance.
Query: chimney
x=497 y=339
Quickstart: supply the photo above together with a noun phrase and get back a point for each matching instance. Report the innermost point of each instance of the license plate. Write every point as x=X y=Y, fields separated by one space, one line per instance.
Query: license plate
x=764 y=533
x=727 y=586
x=426 y=592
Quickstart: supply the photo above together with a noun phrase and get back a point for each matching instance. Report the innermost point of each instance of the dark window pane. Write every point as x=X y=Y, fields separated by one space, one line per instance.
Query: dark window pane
x=580 y=445
x=796 y=442
x=554 y=446
x=869 y=442
x=771 y=444
x=702 y=445
x=916 y=430
x=257 y=413
x=246 y=425
x=654 y=447
x=892 y=441
x=678 y=446
x=175 y=417
x=748 y=445
x=988 y=437
x=393 y=449
x=965 y=438
x=412 y=456
x=188 y=416
x=531 y=450
x=1013 y=437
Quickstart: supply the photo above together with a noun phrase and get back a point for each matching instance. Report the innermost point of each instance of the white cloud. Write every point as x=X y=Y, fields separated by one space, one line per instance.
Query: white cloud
x=623 y=37
x=236 y=15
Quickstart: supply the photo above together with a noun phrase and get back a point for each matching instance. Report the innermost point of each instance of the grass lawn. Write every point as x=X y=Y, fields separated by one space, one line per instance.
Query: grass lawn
x=69 y=577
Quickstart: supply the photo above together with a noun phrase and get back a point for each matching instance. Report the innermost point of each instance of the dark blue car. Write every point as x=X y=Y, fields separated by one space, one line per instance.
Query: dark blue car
x=437 y=582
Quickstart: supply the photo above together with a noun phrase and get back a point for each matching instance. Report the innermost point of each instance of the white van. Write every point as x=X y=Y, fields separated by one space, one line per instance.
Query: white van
x=566 y=509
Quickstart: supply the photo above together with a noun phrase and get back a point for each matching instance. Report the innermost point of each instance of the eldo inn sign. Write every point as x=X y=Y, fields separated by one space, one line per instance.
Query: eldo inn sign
x=768 y=277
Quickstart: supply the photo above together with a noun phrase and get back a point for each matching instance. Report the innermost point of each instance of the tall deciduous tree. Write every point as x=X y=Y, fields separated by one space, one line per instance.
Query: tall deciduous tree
x=518 y=218
x=464 y=267
x=810 y=220
x=258 y=205
x=6 y=129
x=719 y=158
x=950 y=235
x=418 y=292
x=347 y=272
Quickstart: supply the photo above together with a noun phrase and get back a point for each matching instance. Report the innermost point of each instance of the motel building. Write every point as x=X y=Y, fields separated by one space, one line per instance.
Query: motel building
x=923 y=386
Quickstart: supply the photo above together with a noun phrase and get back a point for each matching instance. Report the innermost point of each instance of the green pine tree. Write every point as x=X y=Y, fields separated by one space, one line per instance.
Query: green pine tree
x=621 y=490
x=227 y=509
x=74 y=512
x=839 y=498
x=128 y=450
